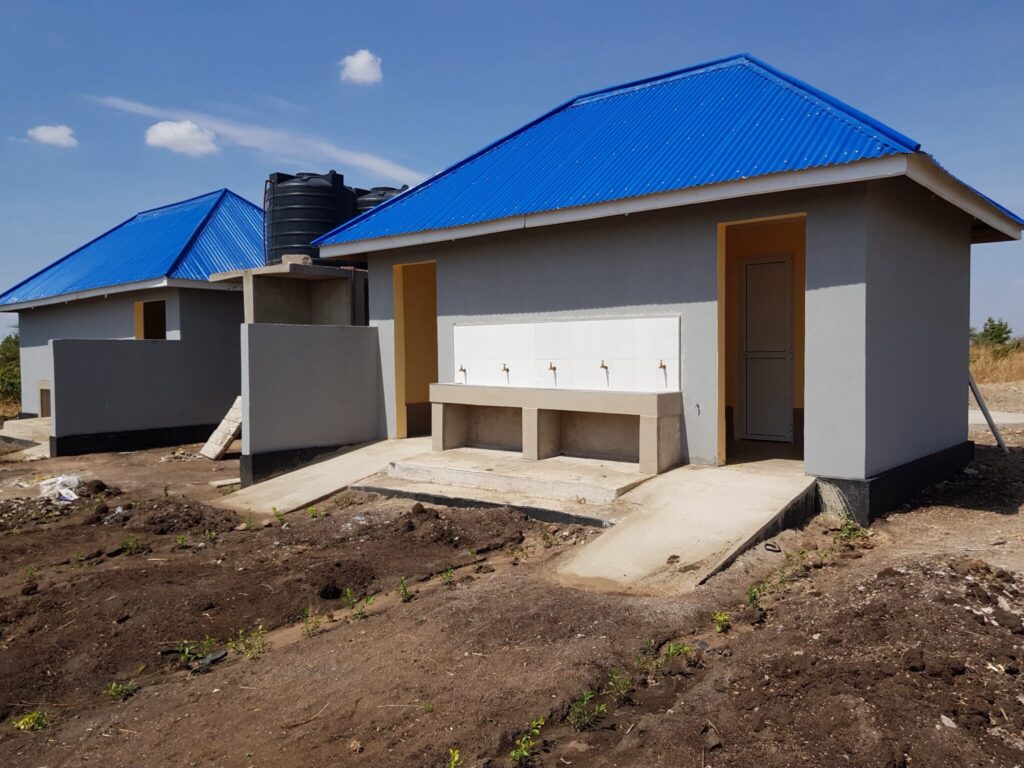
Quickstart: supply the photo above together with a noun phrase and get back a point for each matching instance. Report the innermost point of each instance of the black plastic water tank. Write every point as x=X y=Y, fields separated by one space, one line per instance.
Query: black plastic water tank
x=298 y=208
x=376 y=196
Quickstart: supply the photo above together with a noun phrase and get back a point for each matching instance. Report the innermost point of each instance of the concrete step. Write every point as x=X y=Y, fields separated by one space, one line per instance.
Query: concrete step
x=562 y=478
x=548 y=510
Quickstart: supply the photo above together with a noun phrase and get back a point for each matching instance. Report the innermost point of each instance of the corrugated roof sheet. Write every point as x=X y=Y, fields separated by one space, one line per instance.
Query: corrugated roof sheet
x=730 y=119
x=189 y=240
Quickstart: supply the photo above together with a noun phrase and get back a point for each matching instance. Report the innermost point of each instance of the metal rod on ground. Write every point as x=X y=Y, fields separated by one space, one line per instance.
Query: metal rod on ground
x=988 y=416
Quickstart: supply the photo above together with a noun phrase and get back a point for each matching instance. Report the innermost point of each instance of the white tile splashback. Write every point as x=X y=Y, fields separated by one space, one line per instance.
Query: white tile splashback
x=641 y=354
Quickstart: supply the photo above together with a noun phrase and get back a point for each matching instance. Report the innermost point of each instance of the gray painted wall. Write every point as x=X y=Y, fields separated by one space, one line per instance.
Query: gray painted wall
x=918 y=304
x=309 y=386
x=102 y=386
x=656 y=264
x=98 y=318
x=872 y=248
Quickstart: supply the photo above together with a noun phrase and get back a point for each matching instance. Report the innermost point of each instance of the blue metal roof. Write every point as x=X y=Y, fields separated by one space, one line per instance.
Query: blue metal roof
x=725 y=120
x=189 y=240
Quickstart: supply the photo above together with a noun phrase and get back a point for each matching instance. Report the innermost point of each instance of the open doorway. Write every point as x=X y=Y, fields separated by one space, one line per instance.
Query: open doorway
x=762 y=267
x=415 y=297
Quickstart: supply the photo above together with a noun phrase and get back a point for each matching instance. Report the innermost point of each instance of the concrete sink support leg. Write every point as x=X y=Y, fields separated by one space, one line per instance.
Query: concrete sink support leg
x=449 y=426
x=542 y=433
x=659 y=443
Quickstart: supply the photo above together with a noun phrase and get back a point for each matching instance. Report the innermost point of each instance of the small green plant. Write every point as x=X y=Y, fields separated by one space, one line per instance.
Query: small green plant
x=454 y=760
x=348 y=597
x=311 y=623
x=722 y=621
x=850 y=530
x=675 y=650
x=619 y=687
x=648 y=660
x=210 y=536
x=584 y=711
x=77 y=560
x=519 y=553
x=130 y=546
x=522 y=753
x=190 y=650
x=403 y=590
x=30 y=572
x=359 y=610
x=32 y=721
x=448 y=576
x=181 y=541
x=427 y=707
x=651 y=662
x=755 y=592
x=279 y=516
x=167 y=490
x=249 y=643
x=313 y=513
x=121 y=691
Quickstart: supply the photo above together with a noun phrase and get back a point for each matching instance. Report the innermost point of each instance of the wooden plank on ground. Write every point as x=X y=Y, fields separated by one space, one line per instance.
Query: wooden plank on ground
x=226 y=433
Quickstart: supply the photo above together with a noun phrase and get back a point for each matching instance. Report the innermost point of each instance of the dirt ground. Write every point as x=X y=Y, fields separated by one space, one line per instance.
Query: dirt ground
x=896 y=647
x=1001 y=396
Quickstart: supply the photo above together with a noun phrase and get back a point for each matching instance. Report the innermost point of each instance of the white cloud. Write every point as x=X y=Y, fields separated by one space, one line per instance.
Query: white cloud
x=182 y=136
x=361 y=67
x=57 y=135
x=287 y=146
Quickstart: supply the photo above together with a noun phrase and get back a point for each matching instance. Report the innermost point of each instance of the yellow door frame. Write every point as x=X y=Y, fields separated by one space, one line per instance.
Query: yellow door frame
x=722 y=253
x=398 y=289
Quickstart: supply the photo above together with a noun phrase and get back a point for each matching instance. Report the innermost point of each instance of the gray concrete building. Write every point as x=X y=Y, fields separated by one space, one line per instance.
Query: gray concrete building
x=717 y=265
x=124 y=342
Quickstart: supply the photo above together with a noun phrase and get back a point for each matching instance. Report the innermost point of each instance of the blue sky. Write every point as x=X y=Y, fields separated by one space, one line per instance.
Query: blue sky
x=261 y=85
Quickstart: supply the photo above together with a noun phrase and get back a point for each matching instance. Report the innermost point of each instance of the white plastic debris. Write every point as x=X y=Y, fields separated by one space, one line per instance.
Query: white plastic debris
x=60 y=489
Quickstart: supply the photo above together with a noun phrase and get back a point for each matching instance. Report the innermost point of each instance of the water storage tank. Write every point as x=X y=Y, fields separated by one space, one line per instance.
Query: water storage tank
x=376 y=196
x=299 y=208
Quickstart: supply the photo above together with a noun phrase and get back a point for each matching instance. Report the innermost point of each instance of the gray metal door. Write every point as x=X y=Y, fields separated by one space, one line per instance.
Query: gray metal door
x=766 y=367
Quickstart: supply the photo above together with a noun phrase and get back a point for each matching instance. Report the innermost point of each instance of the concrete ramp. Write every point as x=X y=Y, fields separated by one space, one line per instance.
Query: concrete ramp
x=688 y=524
x=308 y=485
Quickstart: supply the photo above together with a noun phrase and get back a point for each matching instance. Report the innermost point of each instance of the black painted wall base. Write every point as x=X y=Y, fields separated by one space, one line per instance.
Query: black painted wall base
x=870 y=498
x=27 y=415
x=134 y=440
x=260 y=466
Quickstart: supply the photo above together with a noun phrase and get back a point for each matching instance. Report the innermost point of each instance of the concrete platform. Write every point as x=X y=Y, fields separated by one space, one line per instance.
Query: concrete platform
x=308 y=485
x=559 y=478
x=34 y=434
x=976 y=418
x=689 y=524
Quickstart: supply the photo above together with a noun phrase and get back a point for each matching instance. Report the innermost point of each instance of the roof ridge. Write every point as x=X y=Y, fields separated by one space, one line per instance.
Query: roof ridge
x=854 y=116
x=183 y=254
x=186 y=201
x=245 y=200
x=65 y=257
x=676 y=74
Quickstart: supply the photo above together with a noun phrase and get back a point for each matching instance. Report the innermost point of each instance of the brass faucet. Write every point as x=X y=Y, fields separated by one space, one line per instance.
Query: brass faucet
x=603 y=365
x=504 y=368
x=552 y=367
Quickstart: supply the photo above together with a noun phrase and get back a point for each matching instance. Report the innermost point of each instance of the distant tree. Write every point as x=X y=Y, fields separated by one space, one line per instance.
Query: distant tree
x=10 y=368
x=993 y=332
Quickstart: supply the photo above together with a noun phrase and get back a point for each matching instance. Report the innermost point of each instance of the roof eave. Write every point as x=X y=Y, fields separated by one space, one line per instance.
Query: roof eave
x=993 y=225
x=104 y=291
x=863 y=170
